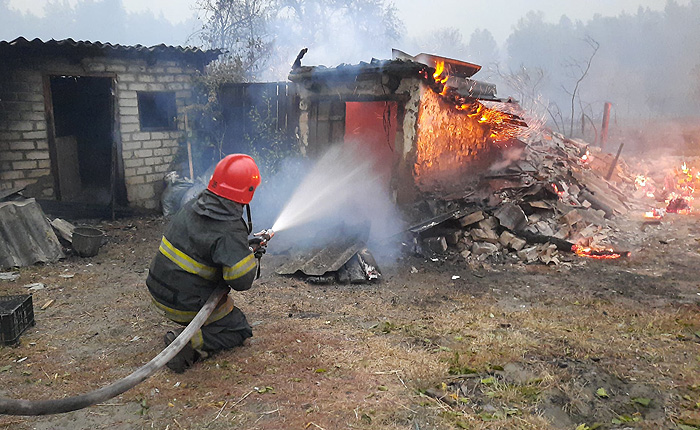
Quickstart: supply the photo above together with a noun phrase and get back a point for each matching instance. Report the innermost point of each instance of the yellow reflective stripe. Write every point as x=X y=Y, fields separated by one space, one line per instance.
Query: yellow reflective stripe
x=197 y=341
x=185 y=262
x=186 y=316
x=221 y=311
x=174 y=314
x=239 y=269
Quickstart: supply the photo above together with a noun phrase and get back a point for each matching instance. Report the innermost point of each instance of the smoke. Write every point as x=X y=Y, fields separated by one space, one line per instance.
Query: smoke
x=341 y=194
x=86 y=20
x=507 y=158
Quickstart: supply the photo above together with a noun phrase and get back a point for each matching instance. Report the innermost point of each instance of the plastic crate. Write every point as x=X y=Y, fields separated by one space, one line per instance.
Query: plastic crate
x=16 y=315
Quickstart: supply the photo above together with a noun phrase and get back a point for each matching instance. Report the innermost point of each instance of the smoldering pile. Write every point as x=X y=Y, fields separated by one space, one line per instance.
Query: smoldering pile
x=557 y=198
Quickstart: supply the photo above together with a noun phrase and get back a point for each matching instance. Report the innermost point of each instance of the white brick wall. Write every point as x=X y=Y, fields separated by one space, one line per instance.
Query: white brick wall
x=23 y=139
x=146 y=155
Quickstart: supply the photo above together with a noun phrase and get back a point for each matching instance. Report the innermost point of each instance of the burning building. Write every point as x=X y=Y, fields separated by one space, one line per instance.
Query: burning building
x=87 y=122
x=427 y=124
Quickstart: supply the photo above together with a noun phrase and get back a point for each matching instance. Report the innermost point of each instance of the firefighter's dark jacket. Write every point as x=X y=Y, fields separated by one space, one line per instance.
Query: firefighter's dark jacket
x=205 y=246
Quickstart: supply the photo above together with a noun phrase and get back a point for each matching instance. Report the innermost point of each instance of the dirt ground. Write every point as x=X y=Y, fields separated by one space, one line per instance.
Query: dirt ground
x=585 y=345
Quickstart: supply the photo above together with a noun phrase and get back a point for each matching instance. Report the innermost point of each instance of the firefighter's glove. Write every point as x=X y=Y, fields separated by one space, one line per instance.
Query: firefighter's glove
x=258 y=246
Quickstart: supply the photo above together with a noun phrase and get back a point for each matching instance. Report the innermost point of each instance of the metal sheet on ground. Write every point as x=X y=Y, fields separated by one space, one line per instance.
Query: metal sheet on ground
x=318 y=262
x=27 y=237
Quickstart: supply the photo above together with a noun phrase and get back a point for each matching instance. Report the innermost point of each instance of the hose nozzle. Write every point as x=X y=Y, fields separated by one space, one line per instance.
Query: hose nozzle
x=265 y=235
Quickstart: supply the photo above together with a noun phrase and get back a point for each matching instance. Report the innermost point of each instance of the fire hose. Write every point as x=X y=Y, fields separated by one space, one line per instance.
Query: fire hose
x=68 y=404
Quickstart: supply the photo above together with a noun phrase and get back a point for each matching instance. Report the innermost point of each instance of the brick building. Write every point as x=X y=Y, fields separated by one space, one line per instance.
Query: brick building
x=394 y=113
x=93 y=123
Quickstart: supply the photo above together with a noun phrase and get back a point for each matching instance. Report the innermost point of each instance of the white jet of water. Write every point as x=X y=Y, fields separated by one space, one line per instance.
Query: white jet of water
x=337 y=181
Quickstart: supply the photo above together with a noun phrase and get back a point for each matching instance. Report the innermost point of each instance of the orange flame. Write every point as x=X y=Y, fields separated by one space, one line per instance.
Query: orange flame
x=641 y=181
x=456 y=133
x=597 y=253
x=439 y=71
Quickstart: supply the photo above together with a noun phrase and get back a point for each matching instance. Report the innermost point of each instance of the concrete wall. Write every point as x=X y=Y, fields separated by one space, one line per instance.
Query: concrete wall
x=146 y=155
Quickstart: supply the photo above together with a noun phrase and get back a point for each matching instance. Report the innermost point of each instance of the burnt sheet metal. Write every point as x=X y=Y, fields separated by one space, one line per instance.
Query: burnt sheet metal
x=473 y=89
x=26 y=236
x=319 y=262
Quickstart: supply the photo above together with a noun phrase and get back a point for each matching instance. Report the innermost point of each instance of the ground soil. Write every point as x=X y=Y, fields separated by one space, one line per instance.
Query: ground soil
x=587 y=344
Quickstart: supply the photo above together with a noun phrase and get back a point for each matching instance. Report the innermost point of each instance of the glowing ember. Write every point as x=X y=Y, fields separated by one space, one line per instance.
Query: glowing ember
x=598 y=253
x=585 y=158
x=654 y=214
x=641 y=181
x=448 y=141
x=558 y=192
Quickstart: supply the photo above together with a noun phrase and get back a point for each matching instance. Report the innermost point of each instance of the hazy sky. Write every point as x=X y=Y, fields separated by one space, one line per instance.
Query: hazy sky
x=420 y=16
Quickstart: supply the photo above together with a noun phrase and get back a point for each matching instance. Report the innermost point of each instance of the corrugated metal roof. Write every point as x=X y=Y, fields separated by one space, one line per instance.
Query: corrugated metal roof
x=22 y=47
x=27 y=237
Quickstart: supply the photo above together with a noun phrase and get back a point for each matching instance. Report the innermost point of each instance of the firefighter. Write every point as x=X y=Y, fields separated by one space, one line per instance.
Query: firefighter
x=206 y=246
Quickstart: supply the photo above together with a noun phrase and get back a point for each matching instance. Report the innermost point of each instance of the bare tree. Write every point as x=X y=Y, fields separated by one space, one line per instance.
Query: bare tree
x=240 y=28
x=582 y=70
x=525 y=82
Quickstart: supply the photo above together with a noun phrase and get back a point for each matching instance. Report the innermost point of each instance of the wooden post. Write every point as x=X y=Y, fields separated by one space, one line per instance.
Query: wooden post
x=189 y=148
x=614 y=163
x=606 y=123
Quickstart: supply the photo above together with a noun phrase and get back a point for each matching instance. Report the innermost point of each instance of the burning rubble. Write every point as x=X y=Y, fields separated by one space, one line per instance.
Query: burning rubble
x=533 y=194
x=546 y=206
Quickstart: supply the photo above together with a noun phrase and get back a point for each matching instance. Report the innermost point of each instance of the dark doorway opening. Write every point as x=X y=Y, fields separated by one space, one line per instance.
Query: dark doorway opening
x=83 y=116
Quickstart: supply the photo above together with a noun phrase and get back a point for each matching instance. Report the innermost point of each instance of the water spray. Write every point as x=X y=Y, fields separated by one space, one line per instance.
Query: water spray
x=342 y=183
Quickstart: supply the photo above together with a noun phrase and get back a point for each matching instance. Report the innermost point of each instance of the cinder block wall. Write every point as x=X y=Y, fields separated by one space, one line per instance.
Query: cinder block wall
x=24 y=147
x=146 y=155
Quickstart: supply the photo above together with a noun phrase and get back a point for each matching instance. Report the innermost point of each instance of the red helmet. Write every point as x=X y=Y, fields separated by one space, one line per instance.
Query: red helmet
x=235 y=178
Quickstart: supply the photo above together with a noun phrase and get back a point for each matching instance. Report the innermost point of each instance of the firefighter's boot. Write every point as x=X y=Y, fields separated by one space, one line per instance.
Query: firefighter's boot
x=184 y=359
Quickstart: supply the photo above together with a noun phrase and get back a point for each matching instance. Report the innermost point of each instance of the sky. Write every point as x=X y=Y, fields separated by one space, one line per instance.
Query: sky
x=420 y=16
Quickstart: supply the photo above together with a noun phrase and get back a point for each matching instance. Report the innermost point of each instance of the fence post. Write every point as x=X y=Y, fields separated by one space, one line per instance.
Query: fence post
x=606 y=123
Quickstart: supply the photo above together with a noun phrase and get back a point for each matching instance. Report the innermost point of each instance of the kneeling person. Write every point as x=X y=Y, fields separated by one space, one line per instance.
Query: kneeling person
x=204 y=247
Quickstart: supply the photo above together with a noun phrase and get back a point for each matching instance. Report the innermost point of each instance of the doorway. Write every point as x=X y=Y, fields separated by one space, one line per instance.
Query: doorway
x=83 y=144
x=371 y=128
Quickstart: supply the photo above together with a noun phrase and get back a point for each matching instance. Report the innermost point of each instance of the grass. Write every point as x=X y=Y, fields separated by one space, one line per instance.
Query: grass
x=513 y=349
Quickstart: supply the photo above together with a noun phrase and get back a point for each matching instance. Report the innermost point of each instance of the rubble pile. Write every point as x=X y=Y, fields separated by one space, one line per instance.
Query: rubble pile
x=549 y=201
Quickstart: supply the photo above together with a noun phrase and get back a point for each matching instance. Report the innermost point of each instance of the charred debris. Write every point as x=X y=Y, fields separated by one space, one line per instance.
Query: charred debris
x=549 y=205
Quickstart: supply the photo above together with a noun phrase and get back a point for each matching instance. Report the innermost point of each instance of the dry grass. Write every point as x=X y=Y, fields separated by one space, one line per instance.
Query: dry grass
x=503 y=354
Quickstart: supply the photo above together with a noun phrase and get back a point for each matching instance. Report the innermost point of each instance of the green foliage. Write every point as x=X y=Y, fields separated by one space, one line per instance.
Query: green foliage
x=602 y=393
x=621 y=419
x=642 y=401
